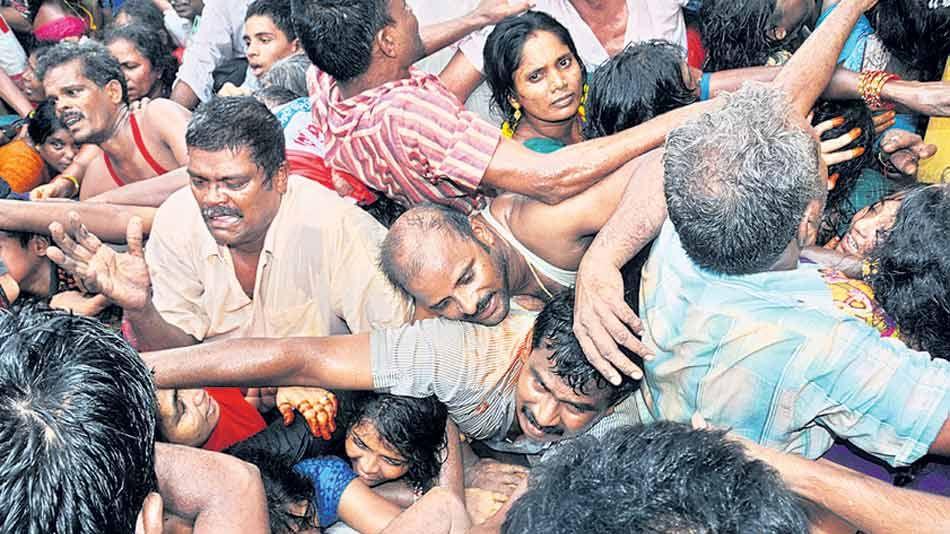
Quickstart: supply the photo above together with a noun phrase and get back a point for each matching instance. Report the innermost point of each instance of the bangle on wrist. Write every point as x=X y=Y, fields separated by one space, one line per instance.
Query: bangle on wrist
x=870 y=85
x=71 y=178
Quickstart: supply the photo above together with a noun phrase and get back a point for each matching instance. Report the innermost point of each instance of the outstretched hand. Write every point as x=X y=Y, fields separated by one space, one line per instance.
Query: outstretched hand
x=317 y=405
x=495 y=11
x=603 y=322
x=903 y=150
x=122 y=277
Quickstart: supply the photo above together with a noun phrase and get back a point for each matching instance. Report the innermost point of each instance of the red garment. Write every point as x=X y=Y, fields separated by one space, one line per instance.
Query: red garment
x=239 y=420
x=313 y=168
x=695 y=53
x=140 y=144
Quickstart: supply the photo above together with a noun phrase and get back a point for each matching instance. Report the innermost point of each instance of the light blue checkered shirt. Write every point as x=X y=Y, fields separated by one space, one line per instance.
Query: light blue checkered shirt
x=770 y=356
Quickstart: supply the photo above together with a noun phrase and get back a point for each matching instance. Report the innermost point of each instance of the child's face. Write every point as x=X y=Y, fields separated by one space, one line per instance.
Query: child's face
x=266 y=44
x=22 y=262
x=373 y=459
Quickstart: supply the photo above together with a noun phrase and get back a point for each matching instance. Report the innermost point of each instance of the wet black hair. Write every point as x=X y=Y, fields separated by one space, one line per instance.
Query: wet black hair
x=911 y=269
x=915 y=31
x=283 y=487
x=735 y=33
x=43 y=122
x=639 y=83
x=415 y=428
x=504 y=48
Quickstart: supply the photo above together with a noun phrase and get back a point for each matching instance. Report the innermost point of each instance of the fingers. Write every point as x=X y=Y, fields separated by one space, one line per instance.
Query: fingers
x=925 y=150
x=287 y=411
x=835 y=158
x=592 y=352
x=133 y=236
x=898 y=139
x=884 y=121
x=829 y=124
x=81 y=234
x=319 y=419
x=841 y=141
x=833 y=243
x=833 y=181
x=905 y=161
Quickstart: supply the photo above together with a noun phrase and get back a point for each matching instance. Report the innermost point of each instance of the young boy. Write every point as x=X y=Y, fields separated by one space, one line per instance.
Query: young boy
x=269 y=37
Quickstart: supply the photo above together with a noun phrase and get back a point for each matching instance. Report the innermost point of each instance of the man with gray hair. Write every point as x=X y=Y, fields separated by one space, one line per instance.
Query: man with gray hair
x=743 y=332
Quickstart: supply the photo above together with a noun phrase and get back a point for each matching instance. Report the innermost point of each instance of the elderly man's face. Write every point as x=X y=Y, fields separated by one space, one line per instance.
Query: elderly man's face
x=548 y=409
x=237 y=201
x=87 y=110
x=460 y=279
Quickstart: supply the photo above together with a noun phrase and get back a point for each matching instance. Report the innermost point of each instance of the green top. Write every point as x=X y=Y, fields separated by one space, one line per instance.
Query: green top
x=544 y=145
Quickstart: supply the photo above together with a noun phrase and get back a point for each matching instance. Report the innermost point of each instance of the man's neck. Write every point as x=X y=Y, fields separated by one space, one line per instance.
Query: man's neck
x=378 y=74
x=119 y=142
x=597 y=9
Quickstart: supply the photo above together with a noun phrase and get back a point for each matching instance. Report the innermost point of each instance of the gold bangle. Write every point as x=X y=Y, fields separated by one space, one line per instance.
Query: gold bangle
x=71 y=178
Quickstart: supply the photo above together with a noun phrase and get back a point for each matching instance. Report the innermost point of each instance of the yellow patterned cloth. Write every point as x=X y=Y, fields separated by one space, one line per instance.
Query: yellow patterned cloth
x=856 y=298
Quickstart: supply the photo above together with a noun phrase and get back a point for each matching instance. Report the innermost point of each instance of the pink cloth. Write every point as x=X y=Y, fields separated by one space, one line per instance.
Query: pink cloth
x=60 y=29
x=410 y=139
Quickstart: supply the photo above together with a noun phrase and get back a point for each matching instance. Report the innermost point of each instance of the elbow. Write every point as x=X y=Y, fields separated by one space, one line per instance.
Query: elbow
x=552 y=192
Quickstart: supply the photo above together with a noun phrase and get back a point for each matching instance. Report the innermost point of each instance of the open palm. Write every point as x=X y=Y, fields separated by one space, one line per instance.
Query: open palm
x=122 y=277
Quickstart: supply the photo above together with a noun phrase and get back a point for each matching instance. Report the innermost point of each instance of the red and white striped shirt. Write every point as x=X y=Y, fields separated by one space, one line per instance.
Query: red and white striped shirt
x=411 y=139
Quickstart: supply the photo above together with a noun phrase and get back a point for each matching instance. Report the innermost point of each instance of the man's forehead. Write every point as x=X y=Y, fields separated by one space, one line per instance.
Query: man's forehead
x=69 y=73
x=543 y=367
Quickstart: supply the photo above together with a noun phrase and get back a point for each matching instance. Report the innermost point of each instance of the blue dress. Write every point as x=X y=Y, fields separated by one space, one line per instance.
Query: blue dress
x=330 y=477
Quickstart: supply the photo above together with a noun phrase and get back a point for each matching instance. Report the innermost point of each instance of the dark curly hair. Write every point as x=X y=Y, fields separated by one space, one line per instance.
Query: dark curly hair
x=143 y=38
x=735 y=33
x=503 y=50
x=415 y=428
x=915 y=32
x=643 y=81
x=838 y=207
x=911 y=274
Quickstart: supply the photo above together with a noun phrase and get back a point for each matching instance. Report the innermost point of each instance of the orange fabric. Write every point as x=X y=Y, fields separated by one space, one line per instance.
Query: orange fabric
x=21 y=166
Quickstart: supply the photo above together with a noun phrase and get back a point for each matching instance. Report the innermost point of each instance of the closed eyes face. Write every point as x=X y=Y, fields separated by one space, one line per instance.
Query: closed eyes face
x=187 y=416
x=866 y=224
x=373 y=459
x=548 y=82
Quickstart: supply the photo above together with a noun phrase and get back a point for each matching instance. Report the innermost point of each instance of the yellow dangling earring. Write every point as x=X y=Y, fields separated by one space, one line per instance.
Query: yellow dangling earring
x=581 y=109
x=508 y=128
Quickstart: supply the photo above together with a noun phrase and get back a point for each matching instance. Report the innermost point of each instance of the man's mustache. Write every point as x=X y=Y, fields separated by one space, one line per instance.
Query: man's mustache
x=549 y=430
x=220 y=211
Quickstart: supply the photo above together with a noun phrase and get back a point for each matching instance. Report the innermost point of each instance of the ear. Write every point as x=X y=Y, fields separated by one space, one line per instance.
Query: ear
x=280 y=178
x=296 y=45
x=150 y=520
x=114 y=91
x=481 y=231
x=38 y=245
x=387 y=41
x=808 y=227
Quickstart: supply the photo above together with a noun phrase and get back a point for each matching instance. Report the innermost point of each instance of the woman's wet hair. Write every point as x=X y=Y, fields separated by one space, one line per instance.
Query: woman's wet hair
x=503 y=54
x=639 y=83
x=43 y=122
x=735 y=33
x=910 y=269
x=284 y=488
x=415 y=428
x=917 y=32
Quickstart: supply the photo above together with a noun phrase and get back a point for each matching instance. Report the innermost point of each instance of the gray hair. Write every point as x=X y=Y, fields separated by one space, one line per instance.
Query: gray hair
x=289 y=73
x=738 y=180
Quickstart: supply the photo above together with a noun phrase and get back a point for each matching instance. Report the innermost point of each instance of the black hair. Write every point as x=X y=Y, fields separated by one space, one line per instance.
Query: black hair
x=278 y=11
x=554 y=330
x=143 y=12
x=338 y=35
x=283 y=487
x=235 y=123
x=426 y=217
x=657 y=479
x=735 y=33
x=838 y=206
x=415 y=428
x=915 y=31
x=643 y=81
x=503 y=53
x=77 y=414
x=43 y=122
x=911 y=269
x=143 y=38
x=98 y=65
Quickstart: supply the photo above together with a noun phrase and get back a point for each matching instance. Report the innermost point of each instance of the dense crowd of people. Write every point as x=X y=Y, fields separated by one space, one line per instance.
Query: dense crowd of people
x=598 y=266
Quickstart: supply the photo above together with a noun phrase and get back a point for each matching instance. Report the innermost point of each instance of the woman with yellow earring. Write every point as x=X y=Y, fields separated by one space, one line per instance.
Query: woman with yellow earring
x=537 y=81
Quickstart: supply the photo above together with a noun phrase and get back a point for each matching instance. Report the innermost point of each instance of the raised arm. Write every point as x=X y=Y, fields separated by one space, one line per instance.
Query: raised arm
x=12 y=95
x=334 y=362
x=437 y=36
x=219 y=493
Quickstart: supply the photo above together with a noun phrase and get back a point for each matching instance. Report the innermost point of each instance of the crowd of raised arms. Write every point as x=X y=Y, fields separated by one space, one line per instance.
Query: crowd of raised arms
x=474 y=266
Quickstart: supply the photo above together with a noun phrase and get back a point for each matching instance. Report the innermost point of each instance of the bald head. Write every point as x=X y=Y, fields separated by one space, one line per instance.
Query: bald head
x=415 y=235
